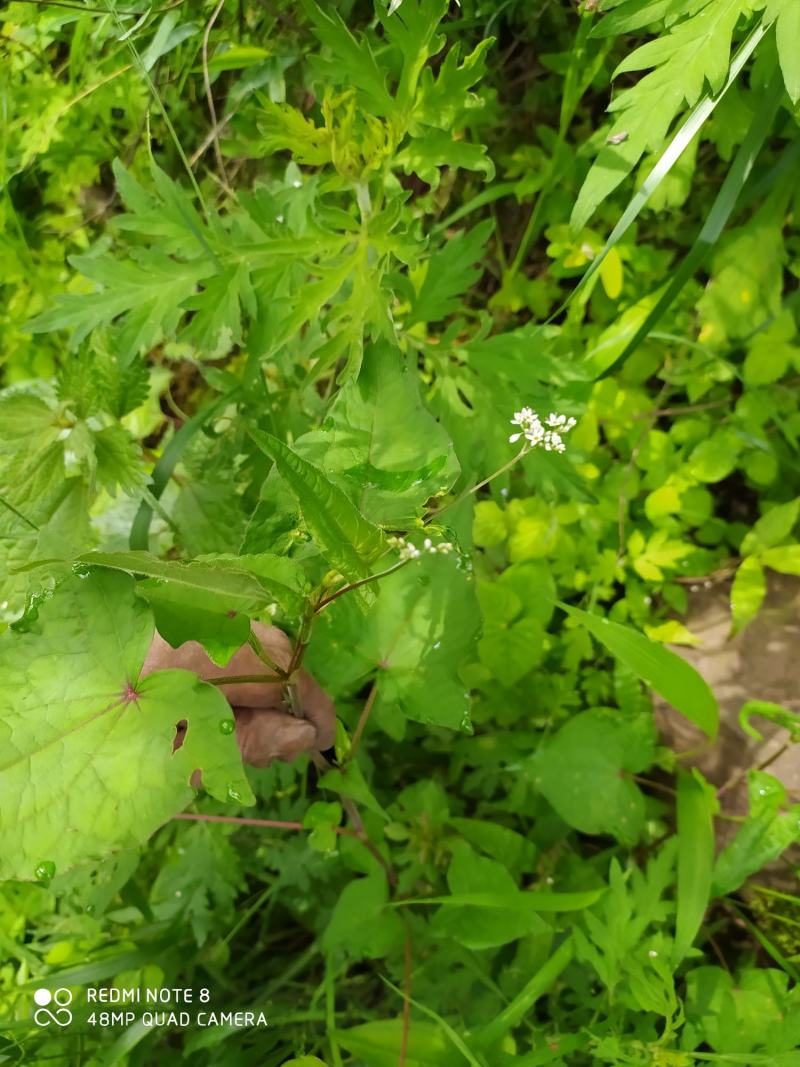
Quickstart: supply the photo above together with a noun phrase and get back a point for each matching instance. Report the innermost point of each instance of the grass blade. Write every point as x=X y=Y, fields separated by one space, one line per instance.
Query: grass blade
x=717 y=220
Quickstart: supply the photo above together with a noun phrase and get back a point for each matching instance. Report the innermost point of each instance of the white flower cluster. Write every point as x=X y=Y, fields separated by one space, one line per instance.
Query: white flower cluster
x=538 y=434
x=410 y=551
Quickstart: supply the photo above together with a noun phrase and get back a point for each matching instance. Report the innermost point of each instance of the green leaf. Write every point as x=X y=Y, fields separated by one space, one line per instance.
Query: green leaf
x=361 y=926
x=646 y=112
x=508 y=847
x=346 y=538
x=484 y=927
x=351 y=59
x=87 y=762
x=413 y=639
x=672 y=677
x=787 y=31
x=43 y=514
x=773 y=527
x=147 y=294
x=381 y=445
x=521 y=900
x=696 y=806
x=785 y=560
x=183 y=613
x=235 y=586
x=747 y=593
x=451 y=270
x=379 y=1044
x=587 y=758
x=764 y=835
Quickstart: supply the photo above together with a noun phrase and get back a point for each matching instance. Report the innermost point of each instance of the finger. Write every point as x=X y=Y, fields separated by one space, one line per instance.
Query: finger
x=265 y=736
x=318 y=708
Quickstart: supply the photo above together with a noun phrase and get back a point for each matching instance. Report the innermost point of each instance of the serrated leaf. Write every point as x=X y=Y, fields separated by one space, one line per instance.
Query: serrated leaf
x=87 y=764
x=352 y=58
x=451 y=270
x=676 y=680
x=347 y=539
x=147 y=294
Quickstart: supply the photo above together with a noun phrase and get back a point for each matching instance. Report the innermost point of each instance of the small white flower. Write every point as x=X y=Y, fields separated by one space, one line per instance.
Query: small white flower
x=536 y=434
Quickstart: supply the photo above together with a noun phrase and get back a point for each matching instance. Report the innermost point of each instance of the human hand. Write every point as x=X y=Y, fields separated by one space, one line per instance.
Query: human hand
x=266 y=728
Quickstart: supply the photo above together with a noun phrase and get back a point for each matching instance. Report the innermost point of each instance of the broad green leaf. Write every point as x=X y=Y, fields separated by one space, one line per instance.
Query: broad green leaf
x=346 y=538
x=672 y=677
x=87 y=765
x=696 y=806
x=381 y=445
x=715 y=458
x=235 y=586
x=413 y=639
x=763 y=836
x=361 y=926
x=747 y=593
x=282 y=579
x=588 y=758
x=479 y=927
x=183 y=613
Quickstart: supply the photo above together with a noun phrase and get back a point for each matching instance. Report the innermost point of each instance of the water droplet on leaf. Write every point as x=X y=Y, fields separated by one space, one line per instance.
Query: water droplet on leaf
x=234 y=794
x=45 y=870
x=82 y=570
x=227 y=726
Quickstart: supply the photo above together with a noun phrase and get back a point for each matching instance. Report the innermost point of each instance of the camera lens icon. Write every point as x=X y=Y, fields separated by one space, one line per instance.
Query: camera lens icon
x=61 y=1015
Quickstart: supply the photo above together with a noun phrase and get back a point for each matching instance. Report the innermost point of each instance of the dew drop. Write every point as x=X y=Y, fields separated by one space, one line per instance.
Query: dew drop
x=45 y=870
x=89 y=909
x=227 y=726
x=82 y=570
x=234 y=794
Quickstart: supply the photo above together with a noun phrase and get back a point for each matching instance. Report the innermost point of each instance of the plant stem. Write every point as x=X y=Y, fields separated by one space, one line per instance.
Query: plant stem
x=366 y=711
x=468 y=492
x=241 y=679
x=357 y=585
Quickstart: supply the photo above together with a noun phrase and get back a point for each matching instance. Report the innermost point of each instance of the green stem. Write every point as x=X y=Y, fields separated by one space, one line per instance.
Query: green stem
x=468 y=492
x=357 y=585
x=241 y=679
